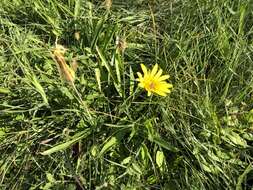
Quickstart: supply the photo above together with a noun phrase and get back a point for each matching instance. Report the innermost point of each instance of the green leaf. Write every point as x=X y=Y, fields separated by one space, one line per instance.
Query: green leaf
x=242 y=18
x=249 y=116
x=98 y=78
x=164 y=144
x=137 y=168
x=118 y=67
x=149 y=127
x=145 y=155
x=108 y=145
x=50 y=177
x=160 y=159
x=110 y=71
x=94 y=150
x=248 y=136
x=242 y=177
x=66 y=92
x=105 y=64
x=233 y=138
x=2 y=133
x=67 y=144
x=77 y=8
x=126 y=160
x=134 y=169
x=131 y=87
x=110 y=33
x=39 y=88
x=4 y=91
x=97 y=32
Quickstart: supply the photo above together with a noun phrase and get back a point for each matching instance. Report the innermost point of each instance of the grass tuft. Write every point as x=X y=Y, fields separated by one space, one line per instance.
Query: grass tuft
x=102 y=131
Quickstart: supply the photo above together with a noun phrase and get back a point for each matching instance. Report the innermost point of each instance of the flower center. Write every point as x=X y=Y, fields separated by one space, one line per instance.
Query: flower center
x=152 y=86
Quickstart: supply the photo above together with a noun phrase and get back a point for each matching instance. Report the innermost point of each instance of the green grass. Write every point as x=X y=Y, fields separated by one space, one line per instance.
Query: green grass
x=198 y=137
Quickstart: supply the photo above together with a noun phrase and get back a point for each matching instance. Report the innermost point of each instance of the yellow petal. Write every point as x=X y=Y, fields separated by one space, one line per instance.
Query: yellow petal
x=154 y=70
x=161 y=93
x=147 y=77
x=149 y=93
x=144 y=69
x=164 y=77
x=166 y=90
x=159 y=73
x=165 y=85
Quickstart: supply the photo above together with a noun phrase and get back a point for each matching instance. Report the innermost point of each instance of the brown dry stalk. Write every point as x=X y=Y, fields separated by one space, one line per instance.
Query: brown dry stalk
x=66 y=73
x=58 y=56
x=108 y=4
x=77 y=35
x=74 y=64
x=121 y=44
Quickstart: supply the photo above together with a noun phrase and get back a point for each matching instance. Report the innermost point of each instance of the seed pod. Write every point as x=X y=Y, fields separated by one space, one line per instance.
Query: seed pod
x=121 y=44
x=77 y=36
x=64 y=70
x=108 y=4
x=74 y=64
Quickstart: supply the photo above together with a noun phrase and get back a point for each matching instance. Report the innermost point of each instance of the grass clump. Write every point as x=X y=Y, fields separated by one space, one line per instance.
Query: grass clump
x=102 y=131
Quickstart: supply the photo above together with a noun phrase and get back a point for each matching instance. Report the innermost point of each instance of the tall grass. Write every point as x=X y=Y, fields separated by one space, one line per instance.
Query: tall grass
x=198 y=137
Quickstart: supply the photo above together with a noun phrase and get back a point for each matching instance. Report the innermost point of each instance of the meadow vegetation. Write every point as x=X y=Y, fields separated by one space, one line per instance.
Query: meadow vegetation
x=103 y=131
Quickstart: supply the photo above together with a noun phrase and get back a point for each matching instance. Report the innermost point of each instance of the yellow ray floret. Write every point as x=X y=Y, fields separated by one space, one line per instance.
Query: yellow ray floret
x=153 y=81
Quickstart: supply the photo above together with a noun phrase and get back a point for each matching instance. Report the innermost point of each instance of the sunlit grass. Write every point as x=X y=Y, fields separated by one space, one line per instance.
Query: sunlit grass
x=97 y=129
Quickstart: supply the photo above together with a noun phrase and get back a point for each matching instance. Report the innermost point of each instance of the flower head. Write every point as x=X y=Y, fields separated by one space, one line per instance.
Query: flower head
x=153 y=81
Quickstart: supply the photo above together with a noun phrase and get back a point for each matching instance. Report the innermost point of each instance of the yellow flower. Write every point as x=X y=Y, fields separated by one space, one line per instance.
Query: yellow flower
x=153 y=81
